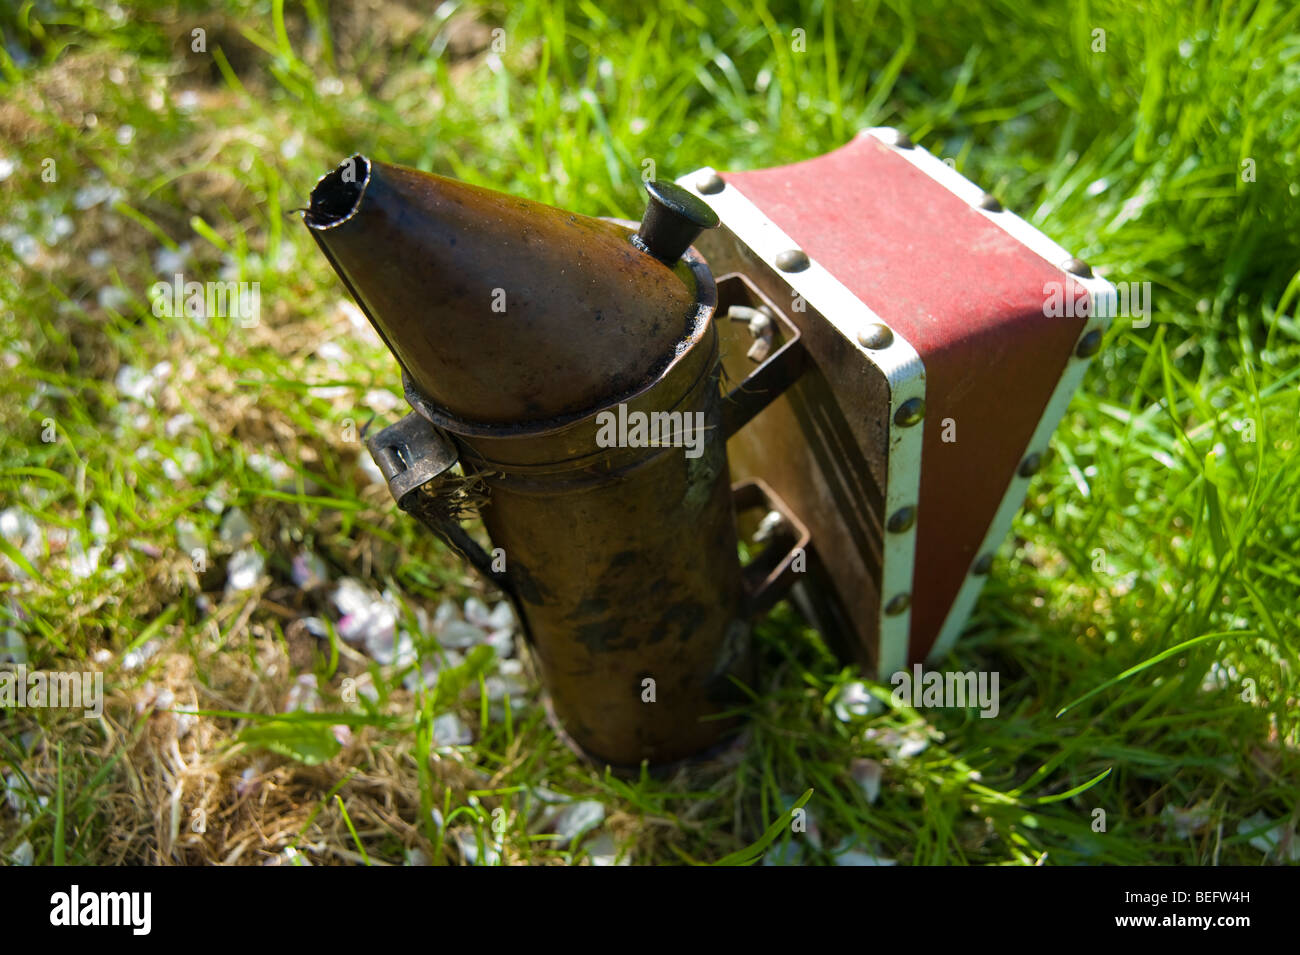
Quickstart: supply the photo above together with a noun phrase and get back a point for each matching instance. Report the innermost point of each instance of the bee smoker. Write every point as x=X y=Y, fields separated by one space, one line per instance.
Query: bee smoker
x=904 y=350
x=571 y=366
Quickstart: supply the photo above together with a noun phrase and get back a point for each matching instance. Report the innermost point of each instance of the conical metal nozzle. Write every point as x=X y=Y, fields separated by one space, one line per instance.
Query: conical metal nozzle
x=502 y=311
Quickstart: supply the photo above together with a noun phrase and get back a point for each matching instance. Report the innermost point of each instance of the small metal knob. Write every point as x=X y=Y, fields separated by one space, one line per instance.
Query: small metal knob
x=1089 y=344
x=909 y=412
x=1077 y=266
x=898 y=605
x=876 y=336
x=901 y=520
x=673 y=218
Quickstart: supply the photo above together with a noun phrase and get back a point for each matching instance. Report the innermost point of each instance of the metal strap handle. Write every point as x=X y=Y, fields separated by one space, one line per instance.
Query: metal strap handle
x=414 y=458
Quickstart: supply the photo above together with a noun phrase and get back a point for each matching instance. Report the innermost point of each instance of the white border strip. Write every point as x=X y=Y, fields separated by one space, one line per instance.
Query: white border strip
x=902 y=369
x=1101 y=306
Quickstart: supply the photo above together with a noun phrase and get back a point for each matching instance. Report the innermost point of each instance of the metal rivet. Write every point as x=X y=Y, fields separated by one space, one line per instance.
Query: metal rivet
x=901 y=520
x=792 y=260
x=876 y=335
x=1078 y=267
x=895 y=138
x=909 y=412
x=1031 y=465
x=989 y=203
x=1089 y=344
x=710 y=184
x=983 y=564
x=898 y=604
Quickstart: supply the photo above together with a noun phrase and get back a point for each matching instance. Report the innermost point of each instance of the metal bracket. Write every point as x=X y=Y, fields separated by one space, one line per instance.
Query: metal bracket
x=768 y=381
x=410 y=454
x=773 y=572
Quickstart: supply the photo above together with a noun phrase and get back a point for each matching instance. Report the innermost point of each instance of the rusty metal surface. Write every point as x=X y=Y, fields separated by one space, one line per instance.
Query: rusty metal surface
x=626 y=575
x=481 y=295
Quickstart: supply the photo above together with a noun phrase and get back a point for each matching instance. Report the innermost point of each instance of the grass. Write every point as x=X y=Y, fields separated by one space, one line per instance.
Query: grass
x=1142 y=617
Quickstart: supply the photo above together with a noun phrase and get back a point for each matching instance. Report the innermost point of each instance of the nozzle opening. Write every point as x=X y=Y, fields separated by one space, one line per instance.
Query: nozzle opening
x=337 y=195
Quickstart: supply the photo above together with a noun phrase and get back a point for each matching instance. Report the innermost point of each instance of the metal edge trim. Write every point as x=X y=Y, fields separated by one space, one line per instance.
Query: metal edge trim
x=1102 y=303
x=899 y=364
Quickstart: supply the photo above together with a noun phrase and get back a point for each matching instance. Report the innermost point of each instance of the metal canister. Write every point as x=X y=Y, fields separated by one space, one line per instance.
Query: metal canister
x=571 y=365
